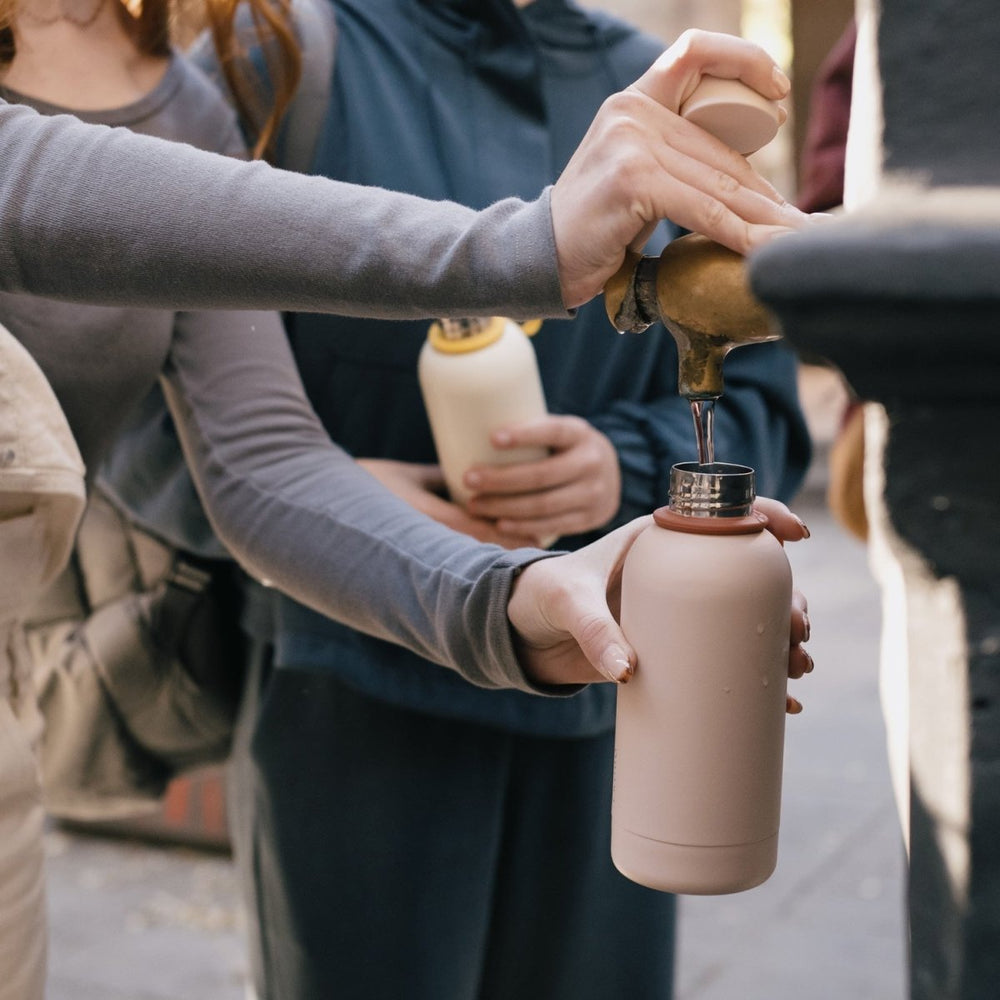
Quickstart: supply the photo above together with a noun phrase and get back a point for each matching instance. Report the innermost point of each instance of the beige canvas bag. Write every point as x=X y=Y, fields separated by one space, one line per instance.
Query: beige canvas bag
x=41 y=501
x=138 y=667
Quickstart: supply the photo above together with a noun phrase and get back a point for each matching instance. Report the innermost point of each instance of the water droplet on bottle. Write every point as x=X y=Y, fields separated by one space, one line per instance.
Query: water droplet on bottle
x=765 y=681
x=727 y=690
x=990 y=646
x=760 y=629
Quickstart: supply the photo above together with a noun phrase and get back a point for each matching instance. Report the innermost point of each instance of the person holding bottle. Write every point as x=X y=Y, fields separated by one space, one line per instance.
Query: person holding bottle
x=386 y=843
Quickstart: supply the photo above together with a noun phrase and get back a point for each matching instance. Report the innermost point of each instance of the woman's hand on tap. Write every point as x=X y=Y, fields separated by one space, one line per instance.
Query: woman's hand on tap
x=640 y=162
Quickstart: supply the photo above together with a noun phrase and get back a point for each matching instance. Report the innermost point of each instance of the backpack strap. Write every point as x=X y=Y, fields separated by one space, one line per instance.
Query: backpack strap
x=317 y=30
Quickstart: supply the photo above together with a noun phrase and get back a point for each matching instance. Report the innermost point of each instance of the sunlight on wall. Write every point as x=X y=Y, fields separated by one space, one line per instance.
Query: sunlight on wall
x=769 y=24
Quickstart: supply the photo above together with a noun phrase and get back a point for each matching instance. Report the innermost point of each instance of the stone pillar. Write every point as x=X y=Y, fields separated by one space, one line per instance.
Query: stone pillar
x=903 y=295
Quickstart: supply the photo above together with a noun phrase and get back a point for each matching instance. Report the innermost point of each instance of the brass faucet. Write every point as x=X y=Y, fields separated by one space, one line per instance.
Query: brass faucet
x=699 y=289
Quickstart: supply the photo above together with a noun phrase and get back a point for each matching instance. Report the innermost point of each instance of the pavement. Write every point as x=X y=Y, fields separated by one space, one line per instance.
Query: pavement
x=131 y=921
x=829 y=924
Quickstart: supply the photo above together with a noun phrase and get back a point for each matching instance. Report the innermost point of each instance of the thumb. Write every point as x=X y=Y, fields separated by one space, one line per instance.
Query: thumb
x=604 y=645
x=593 y=625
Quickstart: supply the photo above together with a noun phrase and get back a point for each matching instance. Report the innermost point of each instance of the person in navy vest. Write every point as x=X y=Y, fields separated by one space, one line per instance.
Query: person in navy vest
x=410 y=835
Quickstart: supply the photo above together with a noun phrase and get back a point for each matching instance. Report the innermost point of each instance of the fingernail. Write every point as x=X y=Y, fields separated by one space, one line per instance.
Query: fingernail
x=806 y=533
x=472 y=479
x=781 y=80
x=809 y=664
x=501 y=438
x=762 y=235
x=615 y=665
x=794 y=706
x=807 y=628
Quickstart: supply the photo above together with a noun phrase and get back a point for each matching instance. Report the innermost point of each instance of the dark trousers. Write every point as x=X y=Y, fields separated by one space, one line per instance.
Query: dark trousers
x=391 y=855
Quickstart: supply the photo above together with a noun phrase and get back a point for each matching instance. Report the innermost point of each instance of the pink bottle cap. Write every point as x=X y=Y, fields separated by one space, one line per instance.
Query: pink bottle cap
x=734 y=113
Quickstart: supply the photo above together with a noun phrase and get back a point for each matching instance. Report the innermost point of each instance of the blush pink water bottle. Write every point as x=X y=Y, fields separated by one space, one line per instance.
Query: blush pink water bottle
x=706 y=602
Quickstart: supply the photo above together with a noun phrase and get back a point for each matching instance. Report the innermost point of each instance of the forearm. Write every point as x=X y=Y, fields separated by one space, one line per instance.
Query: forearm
x=103 y=215
x=297 y=512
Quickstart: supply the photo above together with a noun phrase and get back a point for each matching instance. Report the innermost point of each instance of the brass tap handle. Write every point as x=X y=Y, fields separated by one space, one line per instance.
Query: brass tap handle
x=699 y=289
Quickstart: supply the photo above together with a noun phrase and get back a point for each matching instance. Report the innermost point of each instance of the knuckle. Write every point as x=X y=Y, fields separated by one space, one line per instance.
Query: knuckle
x=617 y=115
x=616 y=106
x=591 y=629
x=629 y=166
x=689 y=43
x=743 y=241
x=620 y=106
x=561 y=600
x=725 y=183
x=715 y=213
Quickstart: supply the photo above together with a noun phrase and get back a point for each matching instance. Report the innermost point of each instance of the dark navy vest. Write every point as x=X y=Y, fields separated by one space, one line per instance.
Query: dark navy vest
x=468 y=100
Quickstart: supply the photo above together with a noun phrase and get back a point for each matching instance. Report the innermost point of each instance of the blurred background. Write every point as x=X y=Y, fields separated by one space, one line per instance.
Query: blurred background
x=150 y=910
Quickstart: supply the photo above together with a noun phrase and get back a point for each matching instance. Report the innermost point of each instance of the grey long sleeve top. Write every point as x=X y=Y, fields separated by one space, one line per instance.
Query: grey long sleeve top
x=105 y=216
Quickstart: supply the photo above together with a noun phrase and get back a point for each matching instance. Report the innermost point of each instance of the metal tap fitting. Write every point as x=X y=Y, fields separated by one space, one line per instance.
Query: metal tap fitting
x=699 y=289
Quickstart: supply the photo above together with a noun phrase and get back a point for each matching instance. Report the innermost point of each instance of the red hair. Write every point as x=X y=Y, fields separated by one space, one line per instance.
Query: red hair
x=274 y=33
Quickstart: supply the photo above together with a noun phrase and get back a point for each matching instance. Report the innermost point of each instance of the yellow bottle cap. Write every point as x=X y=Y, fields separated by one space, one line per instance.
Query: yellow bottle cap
x=459 y=336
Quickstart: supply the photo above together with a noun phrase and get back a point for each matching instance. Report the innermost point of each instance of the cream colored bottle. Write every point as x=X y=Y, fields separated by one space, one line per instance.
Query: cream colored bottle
x=477 y=376
x=706 y=601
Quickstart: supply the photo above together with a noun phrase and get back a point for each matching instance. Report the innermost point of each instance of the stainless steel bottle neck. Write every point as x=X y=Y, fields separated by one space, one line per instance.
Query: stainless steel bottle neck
x=716 y=489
